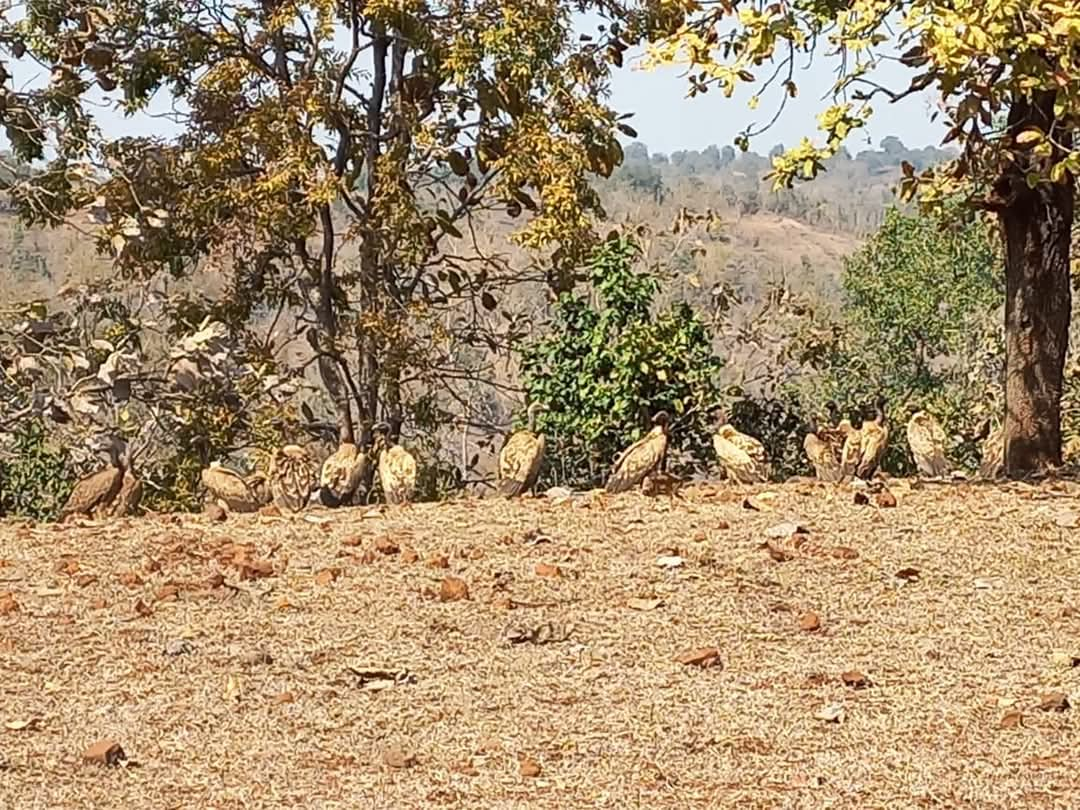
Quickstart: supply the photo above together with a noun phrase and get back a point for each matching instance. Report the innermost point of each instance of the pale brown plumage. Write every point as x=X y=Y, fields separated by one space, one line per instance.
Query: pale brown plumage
x=521 y=457
x=292 y=477
x=342 y=473
x=743 y=457
x=926 y=439
x=641 y=458
x=874 y=438
x=128 y=498
x=851 y=452
x=822 y=454
x=93 y=494
x=397 y=468
x=993 y=453
x=229 y=488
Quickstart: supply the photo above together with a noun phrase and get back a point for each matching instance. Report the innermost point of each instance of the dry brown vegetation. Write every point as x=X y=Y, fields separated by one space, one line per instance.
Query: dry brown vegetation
x=536 y=647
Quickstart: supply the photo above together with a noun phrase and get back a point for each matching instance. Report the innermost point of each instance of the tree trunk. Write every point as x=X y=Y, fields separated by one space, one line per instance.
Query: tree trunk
x=1036 y=225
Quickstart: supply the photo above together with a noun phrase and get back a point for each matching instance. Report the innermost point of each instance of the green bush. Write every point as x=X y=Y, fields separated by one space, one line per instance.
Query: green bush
x=922 y=325
x=34 y=477
x=604 y=368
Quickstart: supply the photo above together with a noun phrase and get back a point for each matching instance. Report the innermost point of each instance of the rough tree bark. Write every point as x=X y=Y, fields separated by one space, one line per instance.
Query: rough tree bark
x=1036 y=227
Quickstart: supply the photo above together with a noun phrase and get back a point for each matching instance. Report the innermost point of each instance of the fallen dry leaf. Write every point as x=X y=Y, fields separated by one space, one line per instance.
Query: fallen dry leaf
x=886 y=500
x=1011 y=719
x=409 y=556
x=352 y=541
x=861 y=499
x=529 y=767
x=809 y=622
x=22 y=725
x=8 y=604
x=397 y=759
x=644 y=604
x=387 y=545
x=670 y=561
x=141 y=608
x=546 y=570
x=167 y=593
x=327 y=576
x=453 y=589
x=701 y=657
x=283 y=698
x=854 y=679
x=1054 y=702
x=105 y=752
x=776 y=552
x=907 y=574
x=785 y=529
x=438 y=561
x=844 y=553
x=833 y=713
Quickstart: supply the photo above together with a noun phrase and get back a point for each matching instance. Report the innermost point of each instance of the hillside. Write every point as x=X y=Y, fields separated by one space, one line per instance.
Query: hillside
x=808 y=230
x=238 y=664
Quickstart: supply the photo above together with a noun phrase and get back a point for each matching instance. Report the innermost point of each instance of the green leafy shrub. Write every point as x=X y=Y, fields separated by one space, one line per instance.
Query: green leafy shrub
x=604 y=368
x=34 y=477
x=922 y=325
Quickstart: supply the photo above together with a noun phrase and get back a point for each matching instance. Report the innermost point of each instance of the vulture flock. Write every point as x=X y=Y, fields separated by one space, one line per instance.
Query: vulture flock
x=837 y=449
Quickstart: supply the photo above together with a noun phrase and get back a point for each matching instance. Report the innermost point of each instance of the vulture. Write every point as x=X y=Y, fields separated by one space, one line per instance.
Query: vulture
x=641 y=458
x=743 y=457
x=926 y=438
x=292 y=477
x=342 y=474
x=129 y=497
x=94 y=494
x=397 y=467
x=230 y=488
x=851 y=452
x=993 y=451
x=822 y=453
x=873 y=438
x=521 y=457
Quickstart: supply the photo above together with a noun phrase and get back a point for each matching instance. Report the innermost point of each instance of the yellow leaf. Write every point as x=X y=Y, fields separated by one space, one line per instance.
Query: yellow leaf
x=1029 y=136
x=753 y=102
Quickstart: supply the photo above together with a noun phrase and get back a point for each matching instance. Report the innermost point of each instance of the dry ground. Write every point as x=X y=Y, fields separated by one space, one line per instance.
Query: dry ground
x=988 y=626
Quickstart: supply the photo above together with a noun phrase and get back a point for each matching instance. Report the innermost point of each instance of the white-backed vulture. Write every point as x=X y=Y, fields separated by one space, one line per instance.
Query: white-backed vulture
x=993 y=452
x=229 y=488
x=926 y=439
x=874 y=438
x=93 y=494
x=292 y=477
x=742 y=457
x=342 y=473
x=521 y=457
x=397 y=466
x=640 y=458
x=822 y=454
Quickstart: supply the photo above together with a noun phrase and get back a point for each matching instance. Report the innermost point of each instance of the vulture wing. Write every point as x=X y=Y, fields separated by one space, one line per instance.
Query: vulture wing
x=519 y=463
x=637 y=461
x=742 y=461
x=823 y=457
x=875 y=438
x=94 y=492
x=926 y=438
x=993 y=455
x=397 y=474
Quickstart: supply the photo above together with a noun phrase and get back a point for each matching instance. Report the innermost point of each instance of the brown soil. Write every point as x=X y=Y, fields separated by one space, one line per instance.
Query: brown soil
x=550 y=679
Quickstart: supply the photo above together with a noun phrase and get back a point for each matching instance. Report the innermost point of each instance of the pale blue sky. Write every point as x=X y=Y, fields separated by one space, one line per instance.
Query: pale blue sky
x=665 y=119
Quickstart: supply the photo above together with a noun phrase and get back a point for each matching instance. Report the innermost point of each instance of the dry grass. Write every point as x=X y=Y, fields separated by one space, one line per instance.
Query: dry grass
x=610 y=717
